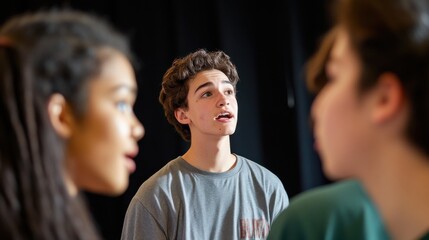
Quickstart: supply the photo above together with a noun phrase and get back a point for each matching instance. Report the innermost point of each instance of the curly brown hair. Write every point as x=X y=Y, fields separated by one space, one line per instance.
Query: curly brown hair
x=175 y=87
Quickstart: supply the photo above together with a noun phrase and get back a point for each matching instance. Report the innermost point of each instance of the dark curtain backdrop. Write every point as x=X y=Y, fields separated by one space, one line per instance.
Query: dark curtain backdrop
x=269 y=41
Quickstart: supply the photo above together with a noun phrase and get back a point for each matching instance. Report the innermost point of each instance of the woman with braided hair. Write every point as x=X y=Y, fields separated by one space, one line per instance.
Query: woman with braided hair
x=67 y=89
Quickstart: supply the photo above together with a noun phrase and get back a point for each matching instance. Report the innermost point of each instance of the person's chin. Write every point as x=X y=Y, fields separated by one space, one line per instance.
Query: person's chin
x=329 y=169
x=118 y=190
x=115 y=187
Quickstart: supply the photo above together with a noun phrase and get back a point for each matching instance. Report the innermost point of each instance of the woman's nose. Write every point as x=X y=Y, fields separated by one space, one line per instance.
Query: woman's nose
x=138 y=130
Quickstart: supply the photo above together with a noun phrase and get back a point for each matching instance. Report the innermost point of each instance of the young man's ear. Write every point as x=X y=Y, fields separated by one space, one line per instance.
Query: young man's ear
x=60 y=115
x=390 y=98
x=181 y=116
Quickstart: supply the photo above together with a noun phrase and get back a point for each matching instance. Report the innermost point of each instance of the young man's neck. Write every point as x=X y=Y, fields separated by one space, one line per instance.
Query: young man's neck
x=211 y=155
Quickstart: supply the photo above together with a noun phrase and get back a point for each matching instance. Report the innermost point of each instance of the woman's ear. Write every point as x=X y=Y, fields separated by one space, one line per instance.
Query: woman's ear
x=60 y=115
x=181 y=116
x=390 y=98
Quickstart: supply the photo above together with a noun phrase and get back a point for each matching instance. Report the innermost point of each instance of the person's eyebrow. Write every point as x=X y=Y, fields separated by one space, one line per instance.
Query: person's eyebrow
x=131 y=89
x=211 y=84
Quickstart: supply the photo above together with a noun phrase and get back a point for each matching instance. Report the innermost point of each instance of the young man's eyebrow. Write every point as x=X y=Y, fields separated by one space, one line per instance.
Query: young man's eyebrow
x=203 y=85
x=211 y=84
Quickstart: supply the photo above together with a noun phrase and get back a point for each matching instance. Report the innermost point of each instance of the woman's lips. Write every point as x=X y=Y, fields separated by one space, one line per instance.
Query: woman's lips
x=130 y=165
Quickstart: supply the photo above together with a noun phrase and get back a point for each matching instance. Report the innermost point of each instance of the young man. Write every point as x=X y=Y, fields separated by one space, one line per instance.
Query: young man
x=371 y=127
x=209 y=192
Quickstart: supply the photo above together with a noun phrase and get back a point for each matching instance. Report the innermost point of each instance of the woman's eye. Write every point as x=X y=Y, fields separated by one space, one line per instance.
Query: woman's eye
x=123 y=106
x=207 y=94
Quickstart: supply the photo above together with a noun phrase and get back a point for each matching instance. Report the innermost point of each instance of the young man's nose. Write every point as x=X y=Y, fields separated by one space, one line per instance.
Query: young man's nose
x=223 y=100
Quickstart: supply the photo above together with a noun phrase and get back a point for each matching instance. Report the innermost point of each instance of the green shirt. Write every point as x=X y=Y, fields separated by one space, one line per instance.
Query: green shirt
x=340 y=210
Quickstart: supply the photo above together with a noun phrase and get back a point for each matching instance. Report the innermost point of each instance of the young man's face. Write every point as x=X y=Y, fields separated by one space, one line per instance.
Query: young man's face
x=212 y=106
x=341 y=116
x=104 y=141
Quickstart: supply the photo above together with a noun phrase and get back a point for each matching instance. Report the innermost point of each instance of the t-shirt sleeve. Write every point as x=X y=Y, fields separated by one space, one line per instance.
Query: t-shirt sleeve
x=140 y=224
x=281 y=199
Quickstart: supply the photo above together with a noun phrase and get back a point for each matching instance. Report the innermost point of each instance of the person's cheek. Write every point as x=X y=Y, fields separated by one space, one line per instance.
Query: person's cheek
x=122 y=127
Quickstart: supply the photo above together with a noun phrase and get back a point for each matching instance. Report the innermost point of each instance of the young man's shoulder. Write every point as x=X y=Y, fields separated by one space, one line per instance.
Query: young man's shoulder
x=263 y=175
x=160 y=180
x=255 y=166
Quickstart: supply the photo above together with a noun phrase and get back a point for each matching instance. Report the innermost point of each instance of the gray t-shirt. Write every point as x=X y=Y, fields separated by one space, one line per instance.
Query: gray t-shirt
x=183 y=202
